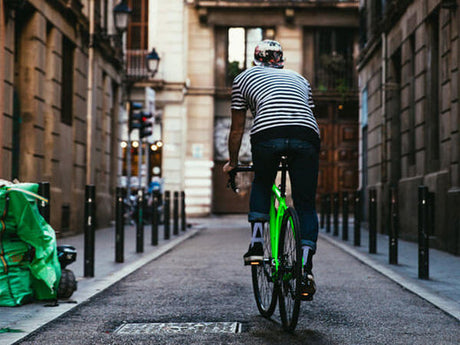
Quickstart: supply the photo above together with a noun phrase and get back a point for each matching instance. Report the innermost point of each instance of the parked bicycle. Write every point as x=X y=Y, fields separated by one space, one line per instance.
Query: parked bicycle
x=279 y=275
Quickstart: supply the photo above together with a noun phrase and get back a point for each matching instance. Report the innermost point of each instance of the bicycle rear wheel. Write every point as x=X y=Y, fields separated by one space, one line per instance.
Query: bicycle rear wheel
x=263 y=282
x=290 y=270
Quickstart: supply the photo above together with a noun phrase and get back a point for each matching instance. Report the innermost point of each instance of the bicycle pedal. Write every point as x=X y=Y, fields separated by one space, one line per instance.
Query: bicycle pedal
x=252 y=263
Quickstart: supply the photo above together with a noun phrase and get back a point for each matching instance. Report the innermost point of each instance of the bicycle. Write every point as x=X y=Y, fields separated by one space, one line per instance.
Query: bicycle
x=280 y=273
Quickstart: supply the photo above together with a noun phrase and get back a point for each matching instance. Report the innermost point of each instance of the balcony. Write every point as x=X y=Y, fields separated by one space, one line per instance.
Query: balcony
x=271 y=3
x=136 y=65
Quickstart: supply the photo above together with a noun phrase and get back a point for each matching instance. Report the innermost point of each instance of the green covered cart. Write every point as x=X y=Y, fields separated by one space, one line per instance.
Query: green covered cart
x=29 y=266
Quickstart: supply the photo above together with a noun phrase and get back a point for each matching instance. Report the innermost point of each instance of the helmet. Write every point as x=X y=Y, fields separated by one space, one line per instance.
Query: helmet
x=269 y=53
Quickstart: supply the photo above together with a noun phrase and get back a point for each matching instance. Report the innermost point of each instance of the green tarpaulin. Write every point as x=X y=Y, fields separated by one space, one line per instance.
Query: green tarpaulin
x=29 y=267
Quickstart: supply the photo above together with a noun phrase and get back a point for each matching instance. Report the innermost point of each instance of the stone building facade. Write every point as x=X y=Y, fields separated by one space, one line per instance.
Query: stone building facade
x=61 y=103
x=193 y=86
x=410 y=120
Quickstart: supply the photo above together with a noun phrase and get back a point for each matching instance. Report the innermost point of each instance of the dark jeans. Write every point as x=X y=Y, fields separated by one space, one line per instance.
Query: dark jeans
x=303 y=172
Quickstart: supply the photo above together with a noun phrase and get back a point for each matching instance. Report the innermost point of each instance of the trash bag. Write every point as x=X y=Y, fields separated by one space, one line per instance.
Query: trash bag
x=29 y=266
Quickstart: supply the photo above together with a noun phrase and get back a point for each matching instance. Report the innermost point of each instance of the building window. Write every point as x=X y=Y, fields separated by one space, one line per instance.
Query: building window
x=139 y=25
x=68 y=52
x=432 y=129
x=364 y=115
x=334 y=59
x=241 y=44
x=411 y=157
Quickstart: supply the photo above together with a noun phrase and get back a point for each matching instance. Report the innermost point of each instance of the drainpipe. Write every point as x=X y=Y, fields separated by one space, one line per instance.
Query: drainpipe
x=384 y=115
x=90 y=100
x=384 y=173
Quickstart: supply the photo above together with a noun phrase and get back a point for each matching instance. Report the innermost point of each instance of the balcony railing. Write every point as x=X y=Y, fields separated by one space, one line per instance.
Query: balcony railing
x=291 y=1
x=335 y=73
x=136 y=64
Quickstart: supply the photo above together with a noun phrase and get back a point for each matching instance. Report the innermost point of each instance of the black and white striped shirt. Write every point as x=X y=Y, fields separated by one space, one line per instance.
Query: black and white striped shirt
x=280 y=101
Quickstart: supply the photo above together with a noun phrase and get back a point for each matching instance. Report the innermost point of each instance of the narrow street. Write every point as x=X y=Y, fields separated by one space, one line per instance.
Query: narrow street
x=203 y=280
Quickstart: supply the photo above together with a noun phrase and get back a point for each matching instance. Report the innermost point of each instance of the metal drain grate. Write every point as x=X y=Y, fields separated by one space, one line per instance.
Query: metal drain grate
x=176 y=328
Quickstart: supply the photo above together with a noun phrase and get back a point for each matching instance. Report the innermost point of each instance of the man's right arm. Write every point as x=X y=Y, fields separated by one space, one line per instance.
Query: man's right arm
x=235 y=137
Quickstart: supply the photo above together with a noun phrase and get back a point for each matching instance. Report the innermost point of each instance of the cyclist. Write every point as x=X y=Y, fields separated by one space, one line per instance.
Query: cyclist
x=281 y=103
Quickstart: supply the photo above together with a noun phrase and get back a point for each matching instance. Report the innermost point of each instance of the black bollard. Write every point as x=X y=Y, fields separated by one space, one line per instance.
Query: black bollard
x=167 y=214
x=44 y=206
x=328 y=212
x=140 y=222
x=155 y=218
x=357 y=220
x=176 y=213
x=90 y=204
x=119 y=225
x=423 y=233
x=335 y=202
x=394 y=227
x=183 y=220
x=372 y=221
x=323 y=211
x=345 y=216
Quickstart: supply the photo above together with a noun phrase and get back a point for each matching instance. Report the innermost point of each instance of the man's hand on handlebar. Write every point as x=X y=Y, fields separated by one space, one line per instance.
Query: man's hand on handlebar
x=227 y=167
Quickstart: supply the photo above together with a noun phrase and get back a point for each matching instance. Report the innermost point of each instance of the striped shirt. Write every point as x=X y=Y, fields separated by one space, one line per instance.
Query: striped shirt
x=280 y=101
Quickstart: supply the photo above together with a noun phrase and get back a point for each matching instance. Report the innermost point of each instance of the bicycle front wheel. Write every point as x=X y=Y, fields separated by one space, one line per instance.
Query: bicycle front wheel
x=290 y=270
x=263 y=282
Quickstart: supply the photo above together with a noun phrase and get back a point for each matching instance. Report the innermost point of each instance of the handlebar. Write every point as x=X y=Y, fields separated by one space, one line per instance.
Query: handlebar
x=246 y=168
x=232 y=174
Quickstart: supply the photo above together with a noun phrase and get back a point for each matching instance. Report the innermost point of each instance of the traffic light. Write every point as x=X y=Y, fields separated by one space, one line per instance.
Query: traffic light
x=135 y=116
x=146 y=126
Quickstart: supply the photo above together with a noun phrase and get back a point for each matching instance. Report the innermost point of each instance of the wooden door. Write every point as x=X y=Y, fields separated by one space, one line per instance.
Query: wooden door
x=339 y=126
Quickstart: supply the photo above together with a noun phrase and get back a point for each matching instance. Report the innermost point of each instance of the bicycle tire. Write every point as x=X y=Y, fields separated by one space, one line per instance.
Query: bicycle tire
x=290 y=270
x=263 y=283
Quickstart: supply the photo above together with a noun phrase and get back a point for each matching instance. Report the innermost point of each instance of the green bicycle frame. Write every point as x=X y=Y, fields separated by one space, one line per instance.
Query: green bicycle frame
x=276 y=218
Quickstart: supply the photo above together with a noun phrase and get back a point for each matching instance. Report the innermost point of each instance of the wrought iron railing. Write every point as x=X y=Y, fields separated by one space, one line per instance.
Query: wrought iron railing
x=287 y=1
x=136 y=64
x=342 y=80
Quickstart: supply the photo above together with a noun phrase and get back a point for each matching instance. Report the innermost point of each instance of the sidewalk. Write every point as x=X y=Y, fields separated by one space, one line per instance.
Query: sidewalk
x=20 y=321
x=443 y=287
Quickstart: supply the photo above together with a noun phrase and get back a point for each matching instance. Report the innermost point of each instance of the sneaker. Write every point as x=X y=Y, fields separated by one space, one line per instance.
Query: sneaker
x=308 y=287
x=255 y=255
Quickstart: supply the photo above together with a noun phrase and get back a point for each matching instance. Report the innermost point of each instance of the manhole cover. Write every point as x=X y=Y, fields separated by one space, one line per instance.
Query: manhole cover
x=187 y=327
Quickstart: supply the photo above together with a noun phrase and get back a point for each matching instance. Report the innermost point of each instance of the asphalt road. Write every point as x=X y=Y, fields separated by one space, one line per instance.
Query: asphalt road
x=203 y=280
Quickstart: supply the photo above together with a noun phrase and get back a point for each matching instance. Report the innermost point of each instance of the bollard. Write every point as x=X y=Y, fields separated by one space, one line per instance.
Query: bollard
x=176 y=213
x=357 y=220
x=155 y=220
x=328 y=213
x=345 y=216
x=323 y=211
x=167 y=215
x=372 y=221
x=184 y=221
x=140 y=222
x=423 y=233
x=90 y=204
x=44 y=206
x=394 y=227
x=119 y=225
x=335 y=202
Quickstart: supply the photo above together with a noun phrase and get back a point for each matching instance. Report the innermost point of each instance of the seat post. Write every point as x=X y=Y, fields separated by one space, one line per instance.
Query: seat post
x=283 y=176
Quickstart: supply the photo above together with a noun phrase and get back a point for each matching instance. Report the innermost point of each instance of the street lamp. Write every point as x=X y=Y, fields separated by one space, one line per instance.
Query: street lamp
x=121 y=14
x=153 y=61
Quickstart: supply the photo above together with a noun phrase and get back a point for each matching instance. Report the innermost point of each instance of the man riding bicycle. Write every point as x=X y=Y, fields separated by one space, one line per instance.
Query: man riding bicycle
x=281 y=103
